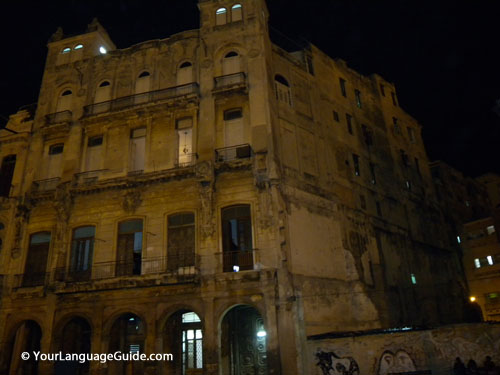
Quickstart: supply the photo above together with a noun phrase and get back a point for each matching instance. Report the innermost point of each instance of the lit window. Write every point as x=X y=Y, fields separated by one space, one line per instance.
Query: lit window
x=236 y=14
x=459 y=240
x=413 y=279
x=490 y=229
x=66 y=50
x=477 y=263
x=103 y=50
x=221 y=16
x=408 y=184
x=78 y=46
x=490 y=260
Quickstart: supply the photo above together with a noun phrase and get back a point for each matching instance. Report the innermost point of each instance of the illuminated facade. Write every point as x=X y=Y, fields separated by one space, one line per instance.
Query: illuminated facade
x=214 y=196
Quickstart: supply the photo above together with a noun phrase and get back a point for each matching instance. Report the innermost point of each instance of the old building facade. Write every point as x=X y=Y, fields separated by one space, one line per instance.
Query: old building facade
x=217 y=197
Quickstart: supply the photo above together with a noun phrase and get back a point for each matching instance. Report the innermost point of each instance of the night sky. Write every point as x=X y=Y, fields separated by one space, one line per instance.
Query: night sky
x=443 y=56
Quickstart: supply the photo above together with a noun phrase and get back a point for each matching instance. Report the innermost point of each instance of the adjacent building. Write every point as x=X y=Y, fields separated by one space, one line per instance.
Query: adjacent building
x=214 y=196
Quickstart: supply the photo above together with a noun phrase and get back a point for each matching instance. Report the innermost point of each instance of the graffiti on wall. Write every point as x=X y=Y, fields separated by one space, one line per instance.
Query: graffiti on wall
x=395 y=362
x=332 y=364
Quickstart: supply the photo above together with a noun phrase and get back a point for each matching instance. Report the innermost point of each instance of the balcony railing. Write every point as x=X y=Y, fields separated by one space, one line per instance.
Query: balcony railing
x=58 y=117
x=234 y=261
x=243 y=151
x=46 y=184
x=89 y=177
x=230 y=81
x=31 y=279
x=186 y=160
x=146 y=97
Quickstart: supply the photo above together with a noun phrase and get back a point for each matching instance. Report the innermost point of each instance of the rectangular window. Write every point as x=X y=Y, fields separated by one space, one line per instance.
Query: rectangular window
x=404 y=158
x=411 y=134
x=336 y=116
x=397 y=129
x=94 y=153
x=362 y=201
x=310 y=66
x=477 y=263
x=82 y=249
x=417 y=167
x=379 y=209
x=185 y=154
x=348 y=118
x=372 y=174
x=181 y=241
x=129 y=252
x=490 y=229
x=355 y=159
x=342 y=87
x=367 y=135
x=393 y=96
x=357 y=95
x=137 y=149
x=6 y=174
x=413 y=279
x=237 y=246
x=382 y=89
x=36 y=260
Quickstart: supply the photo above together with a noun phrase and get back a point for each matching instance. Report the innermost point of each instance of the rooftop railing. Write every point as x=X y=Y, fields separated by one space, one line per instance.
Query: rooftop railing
x=142 y=98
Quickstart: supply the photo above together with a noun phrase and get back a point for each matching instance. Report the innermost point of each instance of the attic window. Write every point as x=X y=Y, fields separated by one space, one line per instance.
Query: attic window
x=186 y=64
x=104 y=84
x=231 y=54
x=221 y=16
x=66 y=50
x=236 y=14
x=144 y=74
x=78 y=46
x=66 y=93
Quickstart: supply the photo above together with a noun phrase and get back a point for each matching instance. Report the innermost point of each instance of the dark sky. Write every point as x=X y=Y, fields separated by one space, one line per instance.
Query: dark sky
x=442 y=55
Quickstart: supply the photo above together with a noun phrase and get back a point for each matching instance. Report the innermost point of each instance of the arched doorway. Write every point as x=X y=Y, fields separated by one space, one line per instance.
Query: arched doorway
x=183 y=337
x=26 y=339
x=243 y=342
x=74 y=338
x=127 y=335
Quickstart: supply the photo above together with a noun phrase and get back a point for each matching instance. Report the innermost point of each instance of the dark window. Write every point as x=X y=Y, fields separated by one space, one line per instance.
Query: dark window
x=82 y=250
x=95 y=141
x=355 y=159
x=66 y=93
x=404 y=158
x=231 y=54
x=379 y=209
x=232 y=114
x=336 y=116
x=372 y=174
x=310 y=66
x=395 y=123
x=348 y=118
x=186 y=64
x=144 y=74
x=129 y=252
x=357 y=94
x=411 y=134
x=104 y=84
x=6 y=174
x=283 y=92
x=367 y=135
x=393 y=96
x=56 y=149
x=36 y=261
x=181 y=241
x=237 y=238
x=382 y=89
x=417 y=167
x=362 y=201
x=342 y=87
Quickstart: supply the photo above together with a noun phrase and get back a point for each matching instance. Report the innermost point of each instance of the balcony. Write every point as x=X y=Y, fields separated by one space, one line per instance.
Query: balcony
x=140 y=99
x=186 y=160
x=31 y=279
x=230 y=82
x=235 y=261
x=89 y=177
x=58 y=117
x=46 y=184
x=243 y=151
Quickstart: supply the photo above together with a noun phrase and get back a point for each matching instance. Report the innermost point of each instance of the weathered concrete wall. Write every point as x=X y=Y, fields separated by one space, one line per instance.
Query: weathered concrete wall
x=386 y=353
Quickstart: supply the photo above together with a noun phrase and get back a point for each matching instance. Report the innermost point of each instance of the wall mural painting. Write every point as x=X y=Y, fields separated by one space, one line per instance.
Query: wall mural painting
x=332 y=364
x=395 y=362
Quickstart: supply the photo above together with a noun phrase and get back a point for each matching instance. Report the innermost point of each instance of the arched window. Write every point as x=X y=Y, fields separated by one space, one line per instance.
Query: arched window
x=144 y=74
x=181 y=241
x=103 y=93
x=236 y=13
x=6 y=174
x=82 y=250
x=283 y=92
x=36 y=260
x=231 y=63
x=185 y=141
x=142 y=86
x=66 y=50
x=64 y=101
x=221 y=16
x=78 y=46
x=237 y=238
x=26 y=339
x=185 y=73
x=127 y=335
x=52 y=165
x=73 y=338
x=129 y=252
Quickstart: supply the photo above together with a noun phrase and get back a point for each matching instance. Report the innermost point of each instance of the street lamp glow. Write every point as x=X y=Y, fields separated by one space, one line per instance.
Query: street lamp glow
x=103 y=50
x=261 y=334
x=472 y=299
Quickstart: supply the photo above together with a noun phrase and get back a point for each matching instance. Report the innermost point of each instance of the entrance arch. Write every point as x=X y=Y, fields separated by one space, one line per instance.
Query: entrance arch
x=243 y=348
x=128 y=335
x=73 y=338
x=25 y=339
